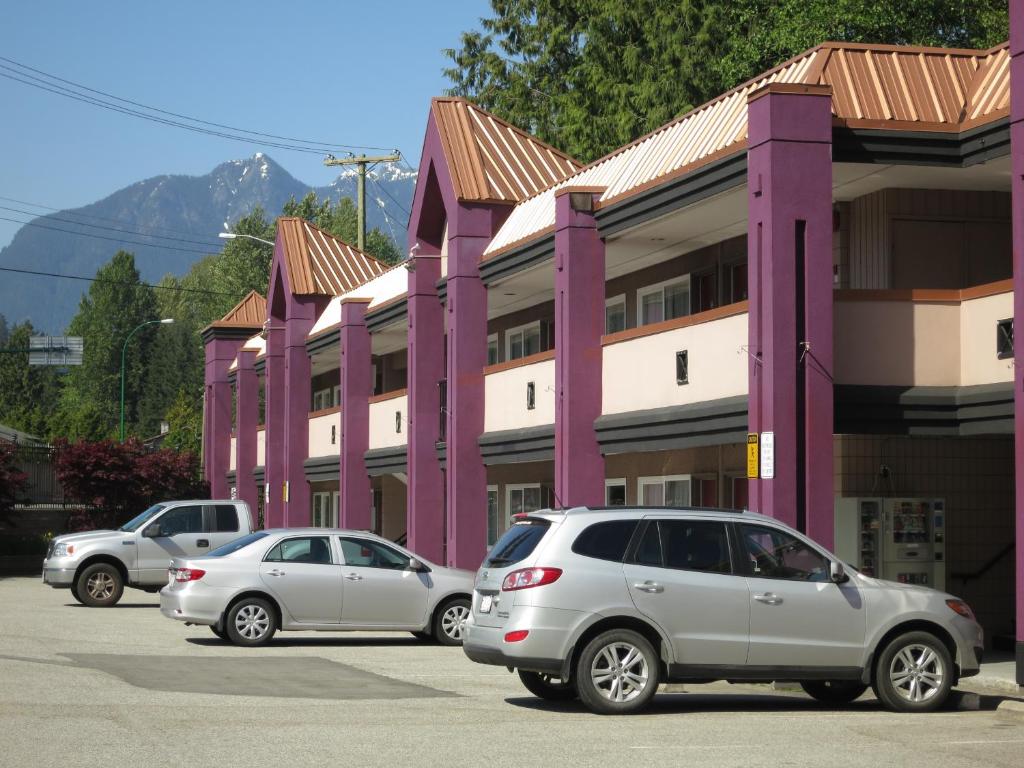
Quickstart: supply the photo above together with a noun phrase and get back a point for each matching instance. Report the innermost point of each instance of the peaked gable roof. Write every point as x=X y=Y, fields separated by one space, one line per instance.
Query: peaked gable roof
x=250 y=312
x=320 y=263
x=491 y=160
x=905 y=88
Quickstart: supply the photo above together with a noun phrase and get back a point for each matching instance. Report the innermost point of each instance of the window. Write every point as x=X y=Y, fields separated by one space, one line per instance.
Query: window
x=664 y=301
x=705 y=292
x=704 y=491
x=522 y=341
x=615 y=493
x=605 y=541
x=517 y=543
x=521 y=498
x=237 y=544
x=225 y=518
x=672 y=491
x=492 y=349
x=323 y=398
x=372 y=554
x=689 y=545
x=302 y=549
x=736 y=275
x=492 y=515
x=615 y=314
x=337 y=395
x=682 y=367
x=1004 y=339
x=531 y=395
x=774 y=554
x=323 y=516
x=182 y=520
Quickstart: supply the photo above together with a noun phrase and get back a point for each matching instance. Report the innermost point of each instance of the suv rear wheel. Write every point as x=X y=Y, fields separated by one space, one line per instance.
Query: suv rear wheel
x=914 y=673
x=99 y=585
x=834 y=691
x=549 y=687
x=617 y=673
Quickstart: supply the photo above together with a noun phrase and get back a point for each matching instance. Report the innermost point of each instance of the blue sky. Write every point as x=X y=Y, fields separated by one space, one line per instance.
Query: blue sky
x=345 y=72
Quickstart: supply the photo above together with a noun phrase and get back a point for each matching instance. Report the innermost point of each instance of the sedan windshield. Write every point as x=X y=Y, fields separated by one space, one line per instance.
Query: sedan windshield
x=136 y=522
x=237 y=544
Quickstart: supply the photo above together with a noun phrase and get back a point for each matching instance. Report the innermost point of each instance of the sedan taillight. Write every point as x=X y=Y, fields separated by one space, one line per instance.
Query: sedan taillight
x=525 y=578
x=187 y=574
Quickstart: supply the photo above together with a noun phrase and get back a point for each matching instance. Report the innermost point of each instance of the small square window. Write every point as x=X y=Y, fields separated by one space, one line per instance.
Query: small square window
x=1004 y=339
x=682 y=367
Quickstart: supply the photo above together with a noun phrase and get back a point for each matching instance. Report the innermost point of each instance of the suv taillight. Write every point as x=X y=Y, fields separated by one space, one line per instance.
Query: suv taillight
x=187 y=574
x=530 y=577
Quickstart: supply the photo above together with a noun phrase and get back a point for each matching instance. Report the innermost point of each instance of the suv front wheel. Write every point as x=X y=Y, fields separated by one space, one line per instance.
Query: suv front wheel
x=617 y=673
x=914 y=673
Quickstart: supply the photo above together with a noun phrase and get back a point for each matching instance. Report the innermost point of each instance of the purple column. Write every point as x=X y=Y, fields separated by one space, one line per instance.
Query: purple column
x=579 y=323
x=789 y=177
x=247 y=414
x=356 y=389
x=466 y=313
x=425 y=491
x=274 y=408
x=1017 y=191
x=301 y=314
x=217 y=422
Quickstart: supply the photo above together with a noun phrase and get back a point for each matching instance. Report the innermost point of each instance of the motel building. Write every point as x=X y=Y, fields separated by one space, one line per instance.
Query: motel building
x=821 y=260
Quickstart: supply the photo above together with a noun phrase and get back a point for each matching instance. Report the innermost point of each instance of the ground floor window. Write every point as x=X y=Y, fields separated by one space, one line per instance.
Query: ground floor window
x=667 y=491
x=521 y=498
x=492 y=515
x=325 y=509
x=615 y=492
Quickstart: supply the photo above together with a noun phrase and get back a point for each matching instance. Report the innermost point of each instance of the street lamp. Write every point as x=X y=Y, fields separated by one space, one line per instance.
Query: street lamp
x=233 y=235
x=124 y=348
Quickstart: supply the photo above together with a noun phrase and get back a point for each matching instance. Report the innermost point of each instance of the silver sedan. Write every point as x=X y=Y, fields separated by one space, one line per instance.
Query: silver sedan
x=312 y=578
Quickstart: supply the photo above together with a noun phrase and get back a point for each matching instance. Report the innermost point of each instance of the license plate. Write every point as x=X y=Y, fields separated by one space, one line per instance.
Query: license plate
x=485 y=603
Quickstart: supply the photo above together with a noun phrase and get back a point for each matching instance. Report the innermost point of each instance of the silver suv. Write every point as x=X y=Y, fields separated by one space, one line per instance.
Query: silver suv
x=606 y=604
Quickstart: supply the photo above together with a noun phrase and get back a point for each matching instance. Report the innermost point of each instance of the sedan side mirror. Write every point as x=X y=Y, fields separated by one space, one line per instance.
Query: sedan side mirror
x=416 y=565
x=837 y=573
x=151 y=531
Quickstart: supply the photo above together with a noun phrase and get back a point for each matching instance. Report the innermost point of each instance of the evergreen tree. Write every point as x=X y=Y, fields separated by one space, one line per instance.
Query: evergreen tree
x=589 y=76
x=107 y=314
x=28 y=394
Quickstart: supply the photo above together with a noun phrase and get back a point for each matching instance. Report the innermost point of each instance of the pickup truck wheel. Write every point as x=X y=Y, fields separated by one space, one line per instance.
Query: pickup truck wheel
x=449 y=621
x=251 y=622
x=99 y=585
x=74 y=594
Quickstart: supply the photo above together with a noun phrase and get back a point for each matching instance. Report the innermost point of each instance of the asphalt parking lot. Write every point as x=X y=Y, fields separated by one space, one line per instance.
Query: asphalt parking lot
x=126 y=687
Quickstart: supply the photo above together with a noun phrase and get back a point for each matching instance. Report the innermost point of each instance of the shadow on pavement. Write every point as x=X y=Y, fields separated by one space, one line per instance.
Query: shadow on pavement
x=113 y=607
x=322 y=642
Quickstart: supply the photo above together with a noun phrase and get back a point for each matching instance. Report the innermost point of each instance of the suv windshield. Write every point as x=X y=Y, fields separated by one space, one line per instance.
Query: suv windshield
x=136 y=522
x=237 y=544
x=517 y=543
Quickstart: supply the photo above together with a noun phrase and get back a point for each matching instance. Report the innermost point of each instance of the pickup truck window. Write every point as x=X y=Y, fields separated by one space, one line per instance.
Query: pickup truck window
x=225 y=518
x=182 y=520
x=139 y=520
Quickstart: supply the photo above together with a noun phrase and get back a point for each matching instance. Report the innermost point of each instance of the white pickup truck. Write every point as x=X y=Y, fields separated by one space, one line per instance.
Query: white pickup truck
x=97 y=565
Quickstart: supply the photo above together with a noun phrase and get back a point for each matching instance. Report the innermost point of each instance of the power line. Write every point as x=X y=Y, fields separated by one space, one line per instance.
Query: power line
x=320 y=146
x=103 y=237
x=381 y=188
x=51 y=217
x=116 y=282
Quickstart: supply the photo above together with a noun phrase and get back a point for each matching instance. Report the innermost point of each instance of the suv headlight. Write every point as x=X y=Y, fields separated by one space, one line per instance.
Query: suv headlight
x=63 y=549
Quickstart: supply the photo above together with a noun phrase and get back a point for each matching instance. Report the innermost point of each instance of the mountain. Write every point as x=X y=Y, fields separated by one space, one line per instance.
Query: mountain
x=182 y=215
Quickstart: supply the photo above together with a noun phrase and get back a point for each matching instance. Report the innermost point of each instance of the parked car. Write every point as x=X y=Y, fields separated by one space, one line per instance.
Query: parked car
x=300 y=579
x=606 y=604
x=96 y=566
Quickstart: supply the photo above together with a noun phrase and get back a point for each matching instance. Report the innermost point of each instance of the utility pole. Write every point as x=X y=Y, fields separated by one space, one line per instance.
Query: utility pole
x=361 y=161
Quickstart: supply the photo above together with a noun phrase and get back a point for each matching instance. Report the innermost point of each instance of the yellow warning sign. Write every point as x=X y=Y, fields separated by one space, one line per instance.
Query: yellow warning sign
x=752 y=456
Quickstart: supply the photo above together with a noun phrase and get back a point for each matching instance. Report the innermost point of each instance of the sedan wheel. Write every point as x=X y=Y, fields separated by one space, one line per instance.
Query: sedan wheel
x=914 y=673
x=251 y=622
x=450 y=621
x=617 y=673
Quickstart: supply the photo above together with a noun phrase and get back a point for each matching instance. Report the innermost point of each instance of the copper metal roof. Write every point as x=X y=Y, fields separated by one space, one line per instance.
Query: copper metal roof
x=250 y=312
x=319 y=263
x=874 y=86
x=492 y=161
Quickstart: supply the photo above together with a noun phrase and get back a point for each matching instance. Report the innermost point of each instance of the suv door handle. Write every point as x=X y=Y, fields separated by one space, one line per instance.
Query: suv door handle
x=202 y=542
x=768 y=598
x=275 y=572
x=353 y=577
x=651 y=587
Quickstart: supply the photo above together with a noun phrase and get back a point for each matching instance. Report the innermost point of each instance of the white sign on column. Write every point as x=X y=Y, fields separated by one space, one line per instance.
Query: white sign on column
x=767 y=455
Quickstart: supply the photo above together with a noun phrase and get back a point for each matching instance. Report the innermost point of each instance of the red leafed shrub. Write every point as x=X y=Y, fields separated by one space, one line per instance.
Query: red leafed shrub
x=119 y=480
x=12 y=480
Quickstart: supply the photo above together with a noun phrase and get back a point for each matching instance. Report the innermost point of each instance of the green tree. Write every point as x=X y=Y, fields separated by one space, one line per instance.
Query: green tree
x=185 y=420
x=27 y=393
x=113 y=307
x=591 y=75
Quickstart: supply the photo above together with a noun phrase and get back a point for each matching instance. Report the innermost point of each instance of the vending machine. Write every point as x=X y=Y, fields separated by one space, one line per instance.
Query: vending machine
x=898 y=539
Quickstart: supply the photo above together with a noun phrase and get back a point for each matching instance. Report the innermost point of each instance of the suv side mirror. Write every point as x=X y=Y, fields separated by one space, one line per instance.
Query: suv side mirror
x=151 y=531
x=837 y=573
